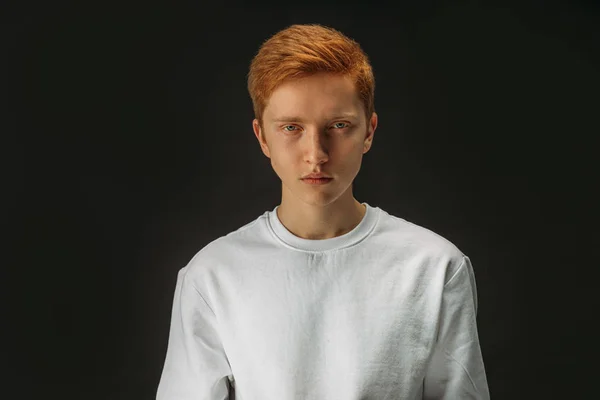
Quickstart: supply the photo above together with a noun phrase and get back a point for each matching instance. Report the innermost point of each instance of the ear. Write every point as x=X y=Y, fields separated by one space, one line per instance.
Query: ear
x=260 y=136
x=371 y=126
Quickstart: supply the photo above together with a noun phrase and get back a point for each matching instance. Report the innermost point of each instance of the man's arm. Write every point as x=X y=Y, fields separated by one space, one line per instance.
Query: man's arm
x=196 y=367
x=456 y=370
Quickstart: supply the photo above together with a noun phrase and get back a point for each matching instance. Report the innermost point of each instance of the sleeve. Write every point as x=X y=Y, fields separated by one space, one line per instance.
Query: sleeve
x=196 y=366
x=456 y=370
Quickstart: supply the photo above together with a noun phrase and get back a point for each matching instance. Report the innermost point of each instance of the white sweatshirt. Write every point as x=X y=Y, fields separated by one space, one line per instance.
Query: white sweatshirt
x=386 y=311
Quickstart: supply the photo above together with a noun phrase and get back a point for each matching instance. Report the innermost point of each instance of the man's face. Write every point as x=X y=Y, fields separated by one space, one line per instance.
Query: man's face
x=316 y=124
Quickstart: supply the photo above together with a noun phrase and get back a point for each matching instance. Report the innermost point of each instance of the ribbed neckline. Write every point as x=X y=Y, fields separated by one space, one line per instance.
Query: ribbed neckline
x=360 y=231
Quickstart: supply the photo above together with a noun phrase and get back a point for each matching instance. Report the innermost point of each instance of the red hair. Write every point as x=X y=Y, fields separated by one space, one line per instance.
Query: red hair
x=303 y=50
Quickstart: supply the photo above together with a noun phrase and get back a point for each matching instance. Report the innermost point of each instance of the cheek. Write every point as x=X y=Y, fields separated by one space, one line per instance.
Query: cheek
x=280 y=160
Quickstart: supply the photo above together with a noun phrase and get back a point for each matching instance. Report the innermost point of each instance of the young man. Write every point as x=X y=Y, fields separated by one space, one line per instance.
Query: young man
x=323 y=297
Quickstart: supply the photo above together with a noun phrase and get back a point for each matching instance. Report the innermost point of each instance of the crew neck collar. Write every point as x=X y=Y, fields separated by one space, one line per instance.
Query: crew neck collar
x=360 y=231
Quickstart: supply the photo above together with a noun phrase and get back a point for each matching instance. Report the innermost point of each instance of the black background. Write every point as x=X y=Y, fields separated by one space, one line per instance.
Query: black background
x=127 y=146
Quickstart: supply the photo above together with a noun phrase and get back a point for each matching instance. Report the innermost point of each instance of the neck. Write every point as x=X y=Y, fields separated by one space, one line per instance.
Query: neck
x=318 y=222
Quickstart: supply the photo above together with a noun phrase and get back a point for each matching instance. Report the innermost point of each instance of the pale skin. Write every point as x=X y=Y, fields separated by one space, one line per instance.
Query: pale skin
x=330 y=135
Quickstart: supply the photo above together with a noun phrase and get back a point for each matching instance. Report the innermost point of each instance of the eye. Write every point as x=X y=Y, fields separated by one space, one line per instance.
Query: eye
x=340 y=127
x=287 y=126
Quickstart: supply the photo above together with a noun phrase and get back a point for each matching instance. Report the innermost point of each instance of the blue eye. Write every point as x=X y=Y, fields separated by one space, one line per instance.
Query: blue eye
x=335 y=126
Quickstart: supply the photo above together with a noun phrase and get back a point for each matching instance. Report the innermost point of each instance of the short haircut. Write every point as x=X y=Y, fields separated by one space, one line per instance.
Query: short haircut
x=303 y=50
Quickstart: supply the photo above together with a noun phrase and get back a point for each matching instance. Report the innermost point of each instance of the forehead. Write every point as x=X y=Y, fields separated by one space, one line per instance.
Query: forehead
x=313 y=97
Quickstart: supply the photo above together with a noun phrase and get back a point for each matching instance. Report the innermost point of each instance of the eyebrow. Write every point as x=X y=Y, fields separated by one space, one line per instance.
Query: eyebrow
x=298 y=119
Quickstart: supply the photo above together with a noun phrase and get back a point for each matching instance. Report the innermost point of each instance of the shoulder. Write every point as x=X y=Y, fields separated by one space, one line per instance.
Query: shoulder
x=417 y=236
x=421 y=243
x=223 y=252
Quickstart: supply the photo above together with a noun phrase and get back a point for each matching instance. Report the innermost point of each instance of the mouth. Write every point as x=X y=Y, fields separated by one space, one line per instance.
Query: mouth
x=317 y=181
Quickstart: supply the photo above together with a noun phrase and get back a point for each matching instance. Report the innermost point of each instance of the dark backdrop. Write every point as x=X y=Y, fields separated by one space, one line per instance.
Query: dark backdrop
x=127 y=147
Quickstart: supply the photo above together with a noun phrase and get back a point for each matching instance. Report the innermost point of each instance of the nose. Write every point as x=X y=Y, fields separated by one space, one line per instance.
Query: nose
x=317 y=147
